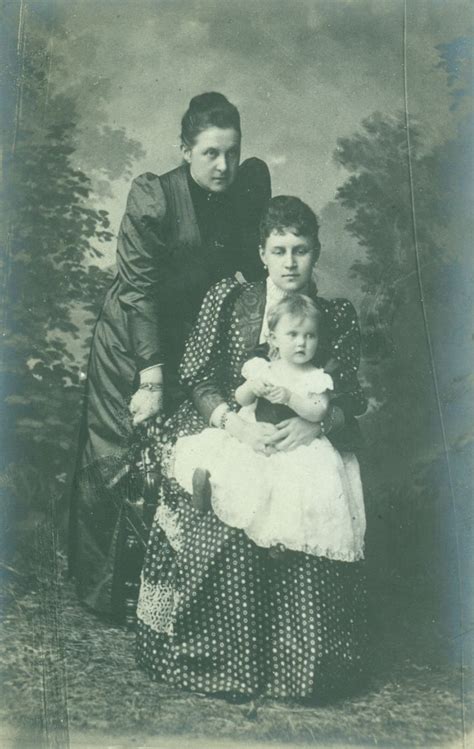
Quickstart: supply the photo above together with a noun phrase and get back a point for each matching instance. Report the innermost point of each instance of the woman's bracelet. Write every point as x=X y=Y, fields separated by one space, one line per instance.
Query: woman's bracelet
x=153 y=387
x=223 y=418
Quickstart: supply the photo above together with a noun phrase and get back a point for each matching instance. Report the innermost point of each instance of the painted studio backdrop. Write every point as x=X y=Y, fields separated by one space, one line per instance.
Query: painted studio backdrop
x=364 y=110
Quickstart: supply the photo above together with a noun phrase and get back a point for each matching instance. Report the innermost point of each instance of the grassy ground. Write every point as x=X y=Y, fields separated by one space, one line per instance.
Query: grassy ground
x=66 y=675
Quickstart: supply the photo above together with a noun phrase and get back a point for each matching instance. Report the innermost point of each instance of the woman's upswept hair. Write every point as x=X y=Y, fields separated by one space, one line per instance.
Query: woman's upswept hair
x=208 y=110
x=286 y=211
x=296 y=305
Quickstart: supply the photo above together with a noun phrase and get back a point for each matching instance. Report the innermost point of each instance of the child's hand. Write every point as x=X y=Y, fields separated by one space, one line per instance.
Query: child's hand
x=260 y=387
x=278 y=395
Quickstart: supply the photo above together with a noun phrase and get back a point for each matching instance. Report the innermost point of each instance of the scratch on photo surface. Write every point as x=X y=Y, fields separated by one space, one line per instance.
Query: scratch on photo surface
x=433 y=370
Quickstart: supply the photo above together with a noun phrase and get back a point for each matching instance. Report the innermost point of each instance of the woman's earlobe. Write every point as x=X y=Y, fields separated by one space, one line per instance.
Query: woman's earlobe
x=186 y=152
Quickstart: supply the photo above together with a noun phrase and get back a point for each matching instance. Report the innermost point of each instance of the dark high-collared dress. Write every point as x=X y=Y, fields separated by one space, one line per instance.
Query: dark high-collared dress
x=217 y=613
x=175 y=241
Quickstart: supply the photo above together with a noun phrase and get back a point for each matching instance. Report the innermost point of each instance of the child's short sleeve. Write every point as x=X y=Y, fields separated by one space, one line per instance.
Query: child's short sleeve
x=256 y=367
x=318 y=381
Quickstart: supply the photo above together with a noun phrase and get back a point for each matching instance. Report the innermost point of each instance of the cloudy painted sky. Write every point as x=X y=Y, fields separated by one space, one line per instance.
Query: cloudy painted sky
x=302 y=72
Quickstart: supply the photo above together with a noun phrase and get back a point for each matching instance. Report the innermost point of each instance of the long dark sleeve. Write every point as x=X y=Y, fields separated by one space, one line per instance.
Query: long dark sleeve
x=345 y=359
x=201 y=365
x=140 y=249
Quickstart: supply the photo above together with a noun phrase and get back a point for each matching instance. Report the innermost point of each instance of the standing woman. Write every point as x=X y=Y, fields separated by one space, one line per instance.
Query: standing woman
x=182 y=232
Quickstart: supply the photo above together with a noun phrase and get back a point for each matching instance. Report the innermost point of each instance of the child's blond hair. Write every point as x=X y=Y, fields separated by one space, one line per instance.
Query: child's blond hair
x=296 y=305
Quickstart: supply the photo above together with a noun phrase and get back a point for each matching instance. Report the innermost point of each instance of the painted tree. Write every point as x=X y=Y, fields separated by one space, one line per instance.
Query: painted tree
x=378 y=196
x=410 y=213
x=406 y=210
x=52 y=286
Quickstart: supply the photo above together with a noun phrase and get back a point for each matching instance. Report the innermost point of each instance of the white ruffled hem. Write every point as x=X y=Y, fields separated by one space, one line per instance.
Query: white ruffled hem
x=337 y=555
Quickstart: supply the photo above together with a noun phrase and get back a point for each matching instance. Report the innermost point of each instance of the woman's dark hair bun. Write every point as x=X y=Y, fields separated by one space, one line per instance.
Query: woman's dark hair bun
x=208 y=101
x=210 y=109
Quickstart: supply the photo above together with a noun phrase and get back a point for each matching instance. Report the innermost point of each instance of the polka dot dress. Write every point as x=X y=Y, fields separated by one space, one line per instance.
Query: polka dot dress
x=217 y=613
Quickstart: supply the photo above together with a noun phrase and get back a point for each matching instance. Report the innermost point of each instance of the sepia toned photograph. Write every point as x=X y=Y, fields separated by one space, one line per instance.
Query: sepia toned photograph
x=237 y=398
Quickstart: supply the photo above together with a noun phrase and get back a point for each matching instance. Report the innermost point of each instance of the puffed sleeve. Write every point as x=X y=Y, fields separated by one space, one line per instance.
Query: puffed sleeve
x=255 y=367
x=254 y=184
x=345 y=358
x=253 y=190
x=318 y=381
x=200 y=368
x=140 y=249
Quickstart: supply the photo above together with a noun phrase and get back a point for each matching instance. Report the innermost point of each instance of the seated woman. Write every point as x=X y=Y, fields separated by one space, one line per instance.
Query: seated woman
x=218 y=613
x=182 y=232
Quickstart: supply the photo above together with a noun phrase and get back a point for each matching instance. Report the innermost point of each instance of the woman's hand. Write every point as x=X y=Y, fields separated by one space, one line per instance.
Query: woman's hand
x=145 y=404
x=294 y=432
x=258 y=435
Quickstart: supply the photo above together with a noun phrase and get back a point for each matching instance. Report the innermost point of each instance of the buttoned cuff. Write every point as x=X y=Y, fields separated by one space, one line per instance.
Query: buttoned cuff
x=148 y=374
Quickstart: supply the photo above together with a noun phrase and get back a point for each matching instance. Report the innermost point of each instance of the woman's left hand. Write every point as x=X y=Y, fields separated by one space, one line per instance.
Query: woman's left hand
x=293 y=433
x=145 y=404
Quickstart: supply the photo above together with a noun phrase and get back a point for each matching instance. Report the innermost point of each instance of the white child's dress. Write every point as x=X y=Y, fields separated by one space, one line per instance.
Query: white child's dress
x=309 y=499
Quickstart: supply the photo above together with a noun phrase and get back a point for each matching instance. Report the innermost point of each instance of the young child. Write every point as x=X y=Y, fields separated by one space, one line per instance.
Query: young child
x=307 y=499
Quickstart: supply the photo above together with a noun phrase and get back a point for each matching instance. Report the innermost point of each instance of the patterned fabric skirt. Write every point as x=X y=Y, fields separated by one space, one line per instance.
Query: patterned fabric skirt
x=219 y=614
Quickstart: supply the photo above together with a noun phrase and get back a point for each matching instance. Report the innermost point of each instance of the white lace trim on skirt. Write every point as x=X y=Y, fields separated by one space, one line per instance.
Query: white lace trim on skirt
x=157 y=606
x=169 y=523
